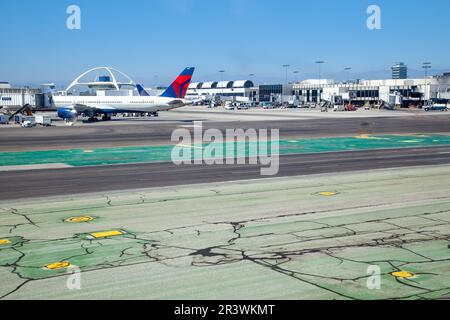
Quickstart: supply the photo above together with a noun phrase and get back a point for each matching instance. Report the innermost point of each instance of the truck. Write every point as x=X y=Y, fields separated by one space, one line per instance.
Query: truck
x=337 y=102
x=436 y=105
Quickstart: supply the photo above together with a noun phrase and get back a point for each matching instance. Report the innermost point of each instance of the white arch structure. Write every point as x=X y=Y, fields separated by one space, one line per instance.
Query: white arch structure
x=114 y=83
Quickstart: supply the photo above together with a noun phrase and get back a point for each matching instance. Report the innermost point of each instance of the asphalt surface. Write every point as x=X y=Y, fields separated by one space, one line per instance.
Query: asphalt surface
x=159 y=133
x=57 y=182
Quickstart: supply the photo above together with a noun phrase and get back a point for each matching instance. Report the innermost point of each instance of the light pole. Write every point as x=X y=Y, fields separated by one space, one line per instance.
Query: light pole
x=251 y=75
x=286 y=67
x=319 y=93
x=426 y=66
x=221 y=79
x=347 y=70
x=221 y=74
x=296 y=72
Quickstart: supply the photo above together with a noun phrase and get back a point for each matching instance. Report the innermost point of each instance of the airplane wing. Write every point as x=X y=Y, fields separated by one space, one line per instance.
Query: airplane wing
x=83 y=108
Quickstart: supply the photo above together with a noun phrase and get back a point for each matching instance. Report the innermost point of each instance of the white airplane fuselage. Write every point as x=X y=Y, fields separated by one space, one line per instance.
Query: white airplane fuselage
x=119 y=104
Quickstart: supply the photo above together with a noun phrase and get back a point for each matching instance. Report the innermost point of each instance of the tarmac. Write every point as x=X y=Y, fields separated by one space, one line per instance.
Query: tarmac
x=153 y=131
x=313 y=237
x=29 y=183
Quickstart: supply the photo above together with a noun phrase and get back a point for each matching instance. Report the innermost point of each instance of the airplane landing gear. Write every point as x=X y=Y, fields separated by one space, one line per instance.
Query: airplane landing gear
x=106 y=118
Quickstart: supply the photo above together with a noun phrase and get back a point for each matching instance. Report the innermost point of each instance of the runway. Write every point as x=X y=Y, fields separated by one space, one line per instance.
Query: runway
x=70 y=181
x=156 y=132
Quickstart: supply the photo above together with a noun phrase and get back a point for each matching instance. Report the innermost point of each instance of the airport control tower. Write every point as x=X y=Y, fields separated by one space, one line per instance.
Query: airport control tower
x=400 y=71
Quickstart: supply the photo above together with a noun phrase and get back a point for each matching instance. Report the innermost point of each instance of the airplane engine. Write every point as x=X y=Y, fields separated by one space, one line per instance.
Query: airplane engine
x=69 y=115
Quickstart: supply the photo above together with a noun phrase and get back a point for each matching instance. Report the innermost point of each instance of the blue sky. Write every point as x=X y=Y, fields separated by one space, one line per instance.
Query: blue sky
x=149 y=38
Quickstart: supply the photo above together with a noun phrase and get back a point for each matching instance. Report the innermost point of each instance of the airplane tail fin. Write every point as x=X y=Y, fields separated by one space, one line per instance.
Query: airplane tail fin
x=142 y=92
x=179 y=87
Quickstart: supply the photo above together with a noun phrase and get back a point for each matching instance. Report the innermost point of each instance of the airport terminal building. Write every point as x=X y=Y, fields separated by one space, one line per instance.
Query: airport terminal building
x=239 y=88
x=402 y=92
x=405 y=92
x=11 y=97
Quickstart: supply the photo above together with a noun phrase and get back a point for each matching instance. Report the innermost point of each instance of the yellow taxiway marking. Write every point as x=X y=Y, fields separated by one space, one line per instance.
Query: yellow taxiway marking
x=79 y=219
x=58 y=265
x=328 y=193
x=4 y=241
x=107 y=234
x=403 y=274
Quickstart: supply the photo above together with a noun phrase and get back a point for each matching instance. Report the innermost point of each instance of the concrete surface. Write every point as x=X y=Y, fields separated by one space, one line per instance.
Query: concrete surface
x=287 y=238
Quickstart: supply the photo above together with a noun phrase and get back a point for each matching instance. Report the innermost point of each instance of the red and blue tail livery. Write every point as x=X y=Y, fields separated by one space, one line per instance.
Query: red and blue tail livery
x=180 y=86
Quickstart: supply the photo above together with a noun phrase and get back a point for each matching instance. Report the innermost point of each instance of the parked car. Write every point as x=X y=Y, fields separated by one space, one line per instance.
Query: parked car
x=266 y=105
x=243 y=106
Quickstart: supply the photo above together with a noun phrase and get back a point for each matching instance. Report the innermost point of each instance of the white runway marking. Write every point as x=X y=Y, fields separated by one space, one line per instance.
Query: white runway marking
x=35 y=167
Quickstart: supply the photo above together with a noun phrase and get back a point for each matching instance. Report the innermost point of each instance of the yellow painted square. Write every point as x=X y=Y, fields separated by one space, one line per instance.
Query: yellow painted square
x=328 y=193
x=106 y=234
x=79 y=219
x=58 y=265
x=4 y=241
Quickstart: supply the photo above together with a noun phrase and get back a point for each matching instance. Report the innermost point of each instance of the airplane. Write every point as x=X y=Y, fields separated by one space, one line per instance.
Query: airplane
x=70 y=107
x=142 y=92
